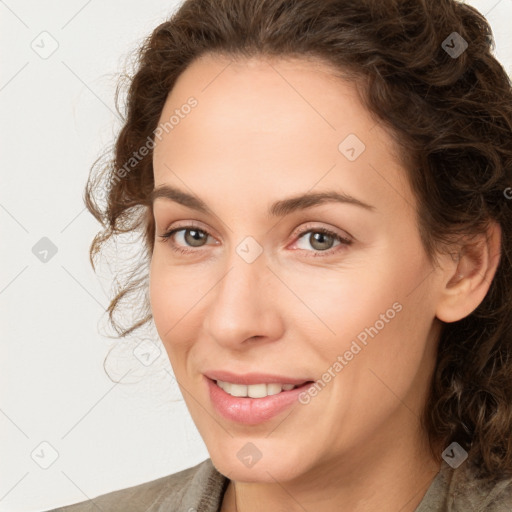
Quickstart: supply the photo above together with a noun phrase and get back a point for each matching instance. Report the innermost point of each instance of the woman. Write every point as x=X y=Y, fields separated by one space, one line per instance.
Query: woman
x=324 y=192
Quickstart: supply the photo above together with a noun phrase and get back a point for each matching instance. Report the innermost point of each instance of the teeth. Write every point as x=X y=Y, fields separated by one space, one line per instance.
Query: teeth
x=253 y=390
x=274 y=389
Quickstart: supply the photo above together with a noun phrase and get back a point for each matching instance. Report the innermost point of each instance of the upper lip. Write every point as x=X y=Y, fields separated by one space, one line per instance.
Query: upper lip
x=253 y=378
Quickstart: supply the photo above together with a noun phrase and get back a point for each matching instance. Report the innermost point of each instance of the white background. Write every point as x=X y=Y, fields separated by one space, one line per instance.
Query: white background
x=58 y=114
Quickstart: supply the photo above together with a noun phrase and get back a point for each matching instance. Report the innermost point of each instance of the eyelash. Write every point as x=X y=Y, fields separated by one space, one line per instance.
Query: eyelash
x=343 y=241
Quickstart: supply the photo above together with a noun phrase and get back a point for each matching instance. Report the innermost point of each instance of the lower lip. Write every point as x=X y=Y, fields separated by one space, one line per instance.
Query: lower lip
x=251 y=411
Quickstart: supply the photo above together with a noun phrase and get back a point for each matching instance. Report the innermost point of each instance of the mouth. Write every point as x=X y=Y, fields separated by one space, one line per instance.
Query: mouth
x=251 y=404
x=256 y=390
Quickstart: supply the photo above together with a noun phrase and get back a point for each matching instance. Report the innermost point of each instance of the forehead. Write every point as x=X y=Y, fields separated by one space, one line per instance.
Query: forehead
x=261 y=96
x=288 y=123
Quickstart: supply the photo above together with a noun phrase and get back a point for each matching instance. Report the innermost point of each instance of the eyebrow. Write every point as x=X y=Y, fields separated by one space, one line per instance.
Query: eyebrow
x=278 y=209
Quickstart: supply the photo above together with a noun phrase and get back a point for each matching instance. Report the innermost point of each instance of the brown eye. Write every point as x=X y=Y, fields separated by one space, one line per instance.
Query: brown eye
x=194 y=237
x=320 y=241
x=323 y=241
x=184 y=239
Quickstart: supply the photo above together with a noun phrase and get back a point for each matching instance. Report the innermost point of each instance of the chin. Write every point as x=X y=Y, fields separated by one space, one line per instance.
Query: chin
x=258 y=460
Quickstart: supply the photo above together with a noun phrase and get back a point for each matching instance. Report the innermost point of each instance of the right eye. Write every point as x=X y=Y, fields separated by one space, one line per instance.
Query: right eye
x=191 y=236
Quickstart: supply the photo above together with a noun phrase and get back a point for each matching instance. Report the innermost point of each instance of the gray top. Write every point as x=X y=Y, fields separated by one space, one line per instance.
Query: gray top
x=201 y=489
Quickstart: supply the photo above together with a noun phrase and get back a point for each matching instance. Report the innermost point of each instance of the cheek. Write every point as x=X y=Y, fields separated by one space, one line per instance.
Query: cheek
x=177 y=297
x=168 y=289
x=159 y=299
x=385 y=327
x=167 y=299
x=377 y=312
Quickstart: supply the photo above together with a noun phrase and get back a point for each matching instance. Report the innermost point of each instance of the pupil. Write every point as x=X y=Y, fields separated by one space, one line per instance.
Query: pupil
x=320 y=238
x=196 y=237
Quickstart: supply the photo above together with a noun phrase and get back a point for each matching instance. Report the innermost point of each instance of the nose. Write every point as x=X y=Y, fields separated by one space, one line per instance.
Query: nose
x=244 y=306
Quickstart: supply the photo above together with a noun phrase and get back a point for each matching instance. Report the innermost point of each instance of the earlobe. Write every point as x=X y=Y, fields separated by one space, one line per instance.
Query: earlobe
x=468 y=277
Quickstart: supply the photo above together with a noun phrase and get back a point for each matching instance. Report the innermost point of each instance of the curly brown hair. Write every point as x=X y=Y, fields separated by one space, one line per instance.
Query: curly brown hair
x=451 y=115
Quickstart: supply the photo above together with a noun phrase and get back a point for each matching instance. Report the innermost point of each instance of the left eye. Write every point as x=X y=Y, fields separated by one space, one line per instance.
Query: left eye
x=322 y=240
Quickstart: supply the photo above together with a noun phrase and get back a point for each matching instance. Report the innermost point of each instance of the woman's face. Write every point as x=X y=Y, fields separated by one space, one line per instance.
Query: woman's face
x=263 y=296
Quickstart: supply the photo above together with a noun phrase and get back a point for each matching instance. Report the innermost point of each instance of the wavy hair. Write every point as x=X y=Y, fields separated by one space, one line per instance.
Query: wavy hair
x=451 y=116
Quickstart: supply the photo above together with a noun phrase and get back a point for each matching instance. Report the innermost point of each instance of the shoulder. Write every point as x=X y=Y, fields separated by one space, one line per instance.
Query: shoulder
x=467 y=491
x=462 y=490
x=200 y=485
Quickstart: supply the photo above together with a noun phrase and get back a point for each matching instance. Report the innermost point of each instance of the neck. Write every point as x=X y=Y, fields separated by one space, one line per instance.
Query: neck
x=387 y=479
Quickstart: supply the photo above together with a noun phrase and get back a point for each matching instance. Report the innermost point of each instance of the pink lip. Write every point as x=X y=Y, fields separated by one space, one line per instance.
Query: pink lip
x=251 y=411
x=253 y=378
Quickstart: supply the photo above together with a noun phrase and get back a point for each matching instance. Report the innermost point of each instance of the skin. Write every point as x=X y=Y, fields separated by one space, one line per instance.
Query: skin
x=265 y=130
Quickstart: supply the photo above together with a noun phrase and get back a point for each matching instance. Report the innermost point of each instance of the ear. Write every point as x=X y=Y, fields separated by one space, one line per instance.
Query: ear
x=467 y=277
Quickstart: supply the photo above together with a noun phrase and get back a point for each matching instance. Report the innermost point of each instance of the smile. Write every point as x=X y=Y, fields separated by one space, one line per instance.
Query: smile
x=254 y=390
x=251 y=404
